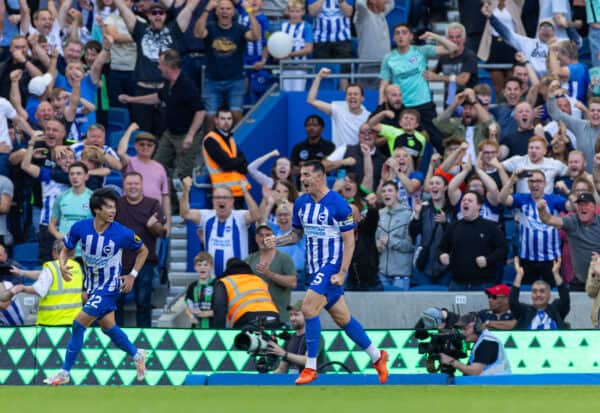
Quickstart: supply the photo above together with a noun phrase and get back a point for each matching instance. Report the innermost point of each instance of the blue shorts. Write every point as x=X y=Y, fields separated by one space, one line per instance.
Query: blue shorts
x=216 y=92
x=101 y=303
x=321 y=284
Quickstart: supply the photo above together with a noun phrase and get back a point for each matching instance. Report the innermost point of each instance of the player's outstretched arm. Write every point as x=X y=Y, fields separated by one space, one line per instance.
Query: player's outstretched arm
x=291 y=237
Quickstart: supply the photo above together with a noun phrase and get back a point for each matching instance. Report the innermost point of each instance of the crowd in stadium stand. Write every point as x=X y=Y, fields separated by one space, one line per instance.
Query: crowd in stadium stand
x=501 y=179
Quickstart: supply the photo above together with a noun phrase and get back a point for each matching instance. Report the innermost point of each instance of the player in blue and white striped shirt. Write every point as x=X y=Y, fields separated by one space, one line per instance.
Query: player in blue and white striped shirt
x=539 y=243
x=325 y=218
x=102 y=243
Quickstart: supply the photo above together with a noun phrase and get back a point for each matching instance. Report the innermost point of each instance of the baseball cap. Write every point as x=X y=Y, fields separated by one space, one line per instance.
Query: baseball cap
x=432 y=317
x=546 y=21
x=585 y=197
x=296 y=306
x=158 y=6
x=500 y=289
x=145 y=136
x=465 y=319
x=263 y=225
x=37 y=86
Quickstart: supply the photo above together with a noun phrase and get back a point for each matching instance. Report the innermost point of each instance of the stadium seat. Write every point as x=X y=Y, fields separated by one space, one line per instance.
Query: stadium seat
x=26 y=254
x=114 y=138
x=118 y=117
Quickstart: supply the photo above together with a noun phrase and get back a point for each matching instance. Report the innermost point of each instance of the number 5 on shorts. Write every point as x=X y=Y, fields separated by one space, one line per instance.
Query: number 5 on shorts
x=318 y=279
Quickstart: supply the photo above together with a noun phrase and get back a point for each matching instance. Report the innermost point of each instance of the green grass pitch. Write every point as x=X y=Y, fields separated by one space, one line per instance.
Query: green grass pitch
x=310 y=399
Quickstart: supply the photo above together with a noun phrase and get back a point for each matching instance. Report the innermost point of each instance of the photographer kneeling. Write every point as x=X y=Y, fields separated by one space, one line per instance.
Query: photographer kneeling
x=293 y=356
x=487 y=355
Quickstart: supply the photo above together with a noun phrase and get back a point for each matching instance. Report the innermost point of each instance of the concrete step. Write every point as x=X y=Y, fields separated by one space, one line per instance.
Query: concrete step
x=177 y=266
x=178 y=232
x=178 y=244
x=181 y=279
x=178 y=255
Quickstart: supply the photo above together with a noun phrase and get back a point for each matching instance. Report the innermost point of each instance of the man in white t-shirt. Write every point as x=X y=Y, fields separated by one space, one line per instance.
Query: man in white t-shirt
x=346 y=117
x=44 y=22
x=222 y=230
x=535 y=160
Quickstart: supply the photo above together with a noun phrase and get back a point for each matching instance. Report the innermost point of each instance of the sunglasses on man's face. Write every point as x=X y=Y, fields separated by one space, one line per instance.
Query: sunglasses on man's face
x=157 y=12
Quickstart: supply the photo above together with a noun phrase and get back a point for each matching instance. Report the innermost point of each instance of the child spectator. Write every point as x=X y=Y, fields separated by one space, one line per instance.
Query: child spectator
x=406 y=136
x=199 y=293
x=302 y=42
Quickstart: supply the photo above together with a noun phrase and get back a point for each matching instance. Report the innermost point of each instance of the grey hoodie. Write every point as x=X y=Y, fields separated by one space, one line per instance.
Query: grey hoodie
x=396 y=258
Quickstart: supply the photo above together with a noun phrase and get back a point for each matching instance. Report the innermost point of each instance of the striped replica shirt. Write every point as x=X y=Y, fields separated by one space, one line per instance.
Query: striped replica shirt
x=538 y=241
x=330 y=24
x=224 y=239
x=323 y=223
x=13 y=314
x=254 y=49
x=50 y=190
x=102 y=253
x=302 y=33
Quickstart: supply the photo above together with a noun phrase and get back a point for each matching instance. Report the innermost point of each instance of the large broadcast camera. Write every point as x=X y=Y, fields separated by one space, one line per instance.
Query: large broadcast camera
x=448 y=342
x=255 y=341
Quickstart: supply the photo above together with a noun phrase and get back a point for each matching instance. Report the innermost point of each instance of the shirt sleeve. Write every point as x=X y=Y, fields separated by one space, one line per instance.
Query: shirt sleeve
x=518 y=200
x=344 y=217
x=385 y=72
x=8 y=110
x=131 y=241
x=337 y=154
x=296 y=223
x=308 y=33
x=138 y=30
x=43 y=283
x=73 y=236
x=389 y=132
x=427 y=50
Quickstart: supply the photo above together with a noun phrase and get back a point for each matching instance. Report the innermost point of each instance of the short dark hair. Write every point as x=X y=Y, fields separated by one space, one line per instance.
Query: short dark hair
x=79 y=164
x=392 y=183
x=513 y=79
x=172 y=58
x=316 y=165
x=316 y=118
x=133 y=173
x=402 y=25
x=362 y=91
x=99 y=198
x=93 y=45
x=223 y=109
x=477 y=195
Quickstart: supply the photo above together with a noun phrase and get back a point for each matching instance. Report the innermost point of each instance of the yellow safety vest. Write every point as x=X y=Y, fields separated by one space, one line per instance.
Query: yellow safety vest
x=62 y=303
x=246 y=293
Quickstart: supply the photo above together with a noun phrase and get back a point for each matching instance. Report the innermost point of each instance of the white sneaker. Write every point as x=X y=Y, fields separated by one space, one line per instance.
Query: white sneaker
x=62 y=377
x=140 y=364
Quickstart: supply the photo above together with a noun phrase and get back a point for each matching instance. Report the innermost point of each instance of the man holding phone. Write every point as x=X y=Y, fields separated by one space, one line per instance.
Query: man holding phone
x=535 y=159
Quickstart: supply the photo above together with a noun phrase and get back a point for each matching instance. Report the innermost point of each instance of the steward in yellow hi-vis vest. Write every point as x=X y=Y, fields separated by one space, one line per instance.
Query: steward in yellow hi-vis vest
x=240 y=297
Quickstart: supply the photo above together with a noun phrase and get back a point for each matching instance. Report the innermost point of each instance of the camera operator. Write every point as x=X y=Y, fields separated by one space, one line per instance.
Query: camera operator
x=487 y=356
x=437 y=318
x=241 y=297
x=293 y=356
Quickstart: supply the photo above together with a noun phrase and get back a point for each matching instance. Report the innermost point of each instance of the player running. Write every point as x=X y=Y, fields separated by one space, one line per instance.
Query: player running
x=102 y=244
x=326 y=219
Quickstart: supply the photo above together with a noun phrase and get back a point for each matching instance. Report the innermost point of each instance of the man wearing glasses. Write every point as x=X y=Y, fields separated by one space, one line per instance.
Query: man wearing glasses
x=498 y=315
x=151 y=39
x=487 y=356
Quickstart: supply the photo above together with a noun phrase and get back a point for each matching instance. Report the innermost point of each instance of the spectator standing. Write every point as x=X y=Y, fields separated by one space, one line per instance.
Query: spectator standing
x=473 y=268
x=151 y=40
x=517 y=142
x=373 y=36
x=276 y=268
x=302 y=42
x=462 y=63
x=504 y=112
x=72 y=205
x=540 y=314
x=583 y=234
x=498 y=316
x=539 y=244
x=563 y=60
x=145 y=217
x=223 y=231
x=180 y=143
x=346 y=117
x=314 y=147
x=393 y=241
x=332 y=31
x=225 y=40
x=226 y=165
x=405 y=66
x=156 y=184
x=199 y=293
x=392 y=101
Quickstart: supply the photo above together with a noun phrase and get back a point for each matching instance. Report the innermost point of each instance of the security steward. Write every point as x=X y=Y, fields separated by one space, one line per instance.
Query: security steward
x=241 y=298
x=226 y=165
x=60 y=300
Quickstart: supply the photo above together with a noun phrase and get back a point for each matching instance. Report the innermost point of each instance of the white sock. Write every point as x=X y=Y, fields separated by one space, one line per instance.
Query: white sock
x=311 y=363
x=373 y=352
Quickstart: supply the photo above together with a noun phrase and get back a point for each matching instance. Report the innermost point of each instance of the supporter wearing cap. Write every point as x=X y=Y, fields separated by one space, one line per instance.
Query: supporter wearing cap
x=487 y=355
x=583 y=233
x=498 y=316
x=293 y=356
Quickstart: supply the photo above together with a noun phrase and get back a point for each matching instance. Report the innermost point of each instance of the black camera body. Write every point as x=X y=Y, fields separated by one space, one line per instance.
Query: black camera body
x=448 y=342
x=255 y=341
